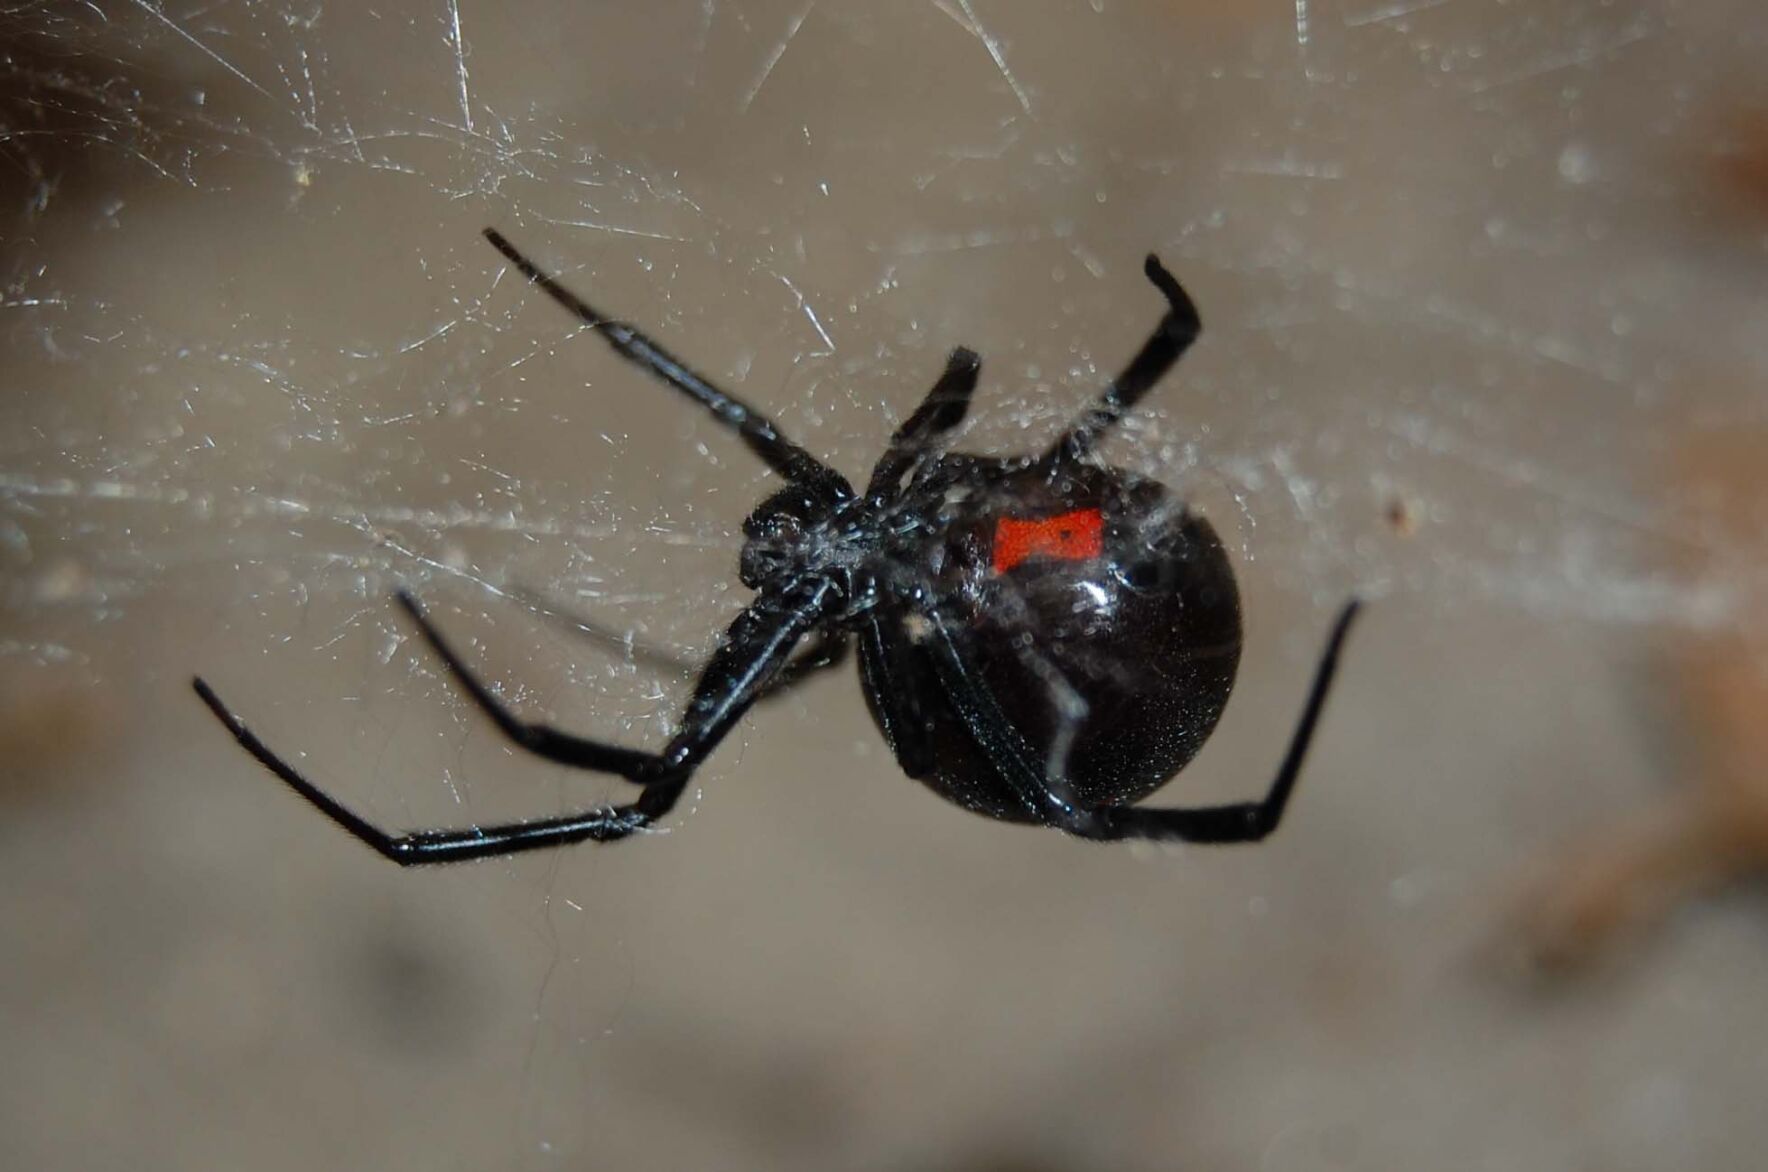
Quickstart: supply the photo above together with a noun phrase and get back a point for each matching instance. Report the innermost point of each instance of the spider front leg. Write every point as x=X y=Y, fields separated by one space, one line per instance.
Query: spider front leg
x=757 y=431
x=754 y=649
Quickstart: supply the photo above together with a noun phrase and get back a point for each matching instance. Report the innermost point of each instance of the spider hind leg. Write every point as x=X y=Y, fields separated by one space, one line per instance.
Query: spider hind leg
x=1239 y=821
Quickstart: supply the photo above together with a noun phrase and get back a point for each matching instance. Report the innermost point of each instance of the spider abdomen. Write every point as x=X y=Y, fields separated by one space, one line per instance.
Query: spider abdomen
x=1080 y=620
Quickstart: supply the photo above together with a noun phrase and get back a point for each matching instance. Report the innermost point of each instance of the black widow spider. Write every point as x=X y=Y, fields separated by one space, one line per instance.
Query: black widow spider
x=1042 y=639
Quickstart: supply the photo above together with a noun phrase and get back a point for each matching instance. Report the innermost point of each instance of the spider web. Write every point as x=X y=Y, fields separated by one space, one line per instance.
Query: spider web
x=216 y=359
x=1469 y=273
x=258 y=350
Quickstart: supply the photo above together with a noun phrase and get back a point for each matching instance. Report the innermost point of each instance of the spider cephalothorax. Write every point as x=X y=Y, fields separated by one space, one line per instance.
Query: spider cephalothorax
x=1042 y=639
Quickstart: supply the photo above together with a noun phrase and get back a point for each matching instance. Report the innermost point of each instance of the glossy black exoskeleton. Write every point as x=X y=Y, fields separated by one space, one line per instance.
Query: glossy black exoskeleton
x=1106 y=668
x=1042 y=639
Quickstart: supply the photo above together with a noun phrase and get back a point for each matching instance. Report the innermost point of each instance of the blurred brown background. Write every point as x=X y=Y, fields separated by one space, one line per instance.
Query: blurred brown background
x=1472 y=274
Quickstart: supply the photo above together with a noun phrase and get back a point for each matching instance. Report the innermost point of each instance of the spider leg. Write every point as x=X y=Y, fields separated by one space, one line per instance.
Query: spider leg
x=943 y=409
x=1049 y=799
x=428 y=846
x=567 y=749
x=1045 y=795
x=1171 y=338
x=540 y=739
x=755 y=648
x=829 y=649
x=757 y=430
x=1238 y=821
x=891 y=684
